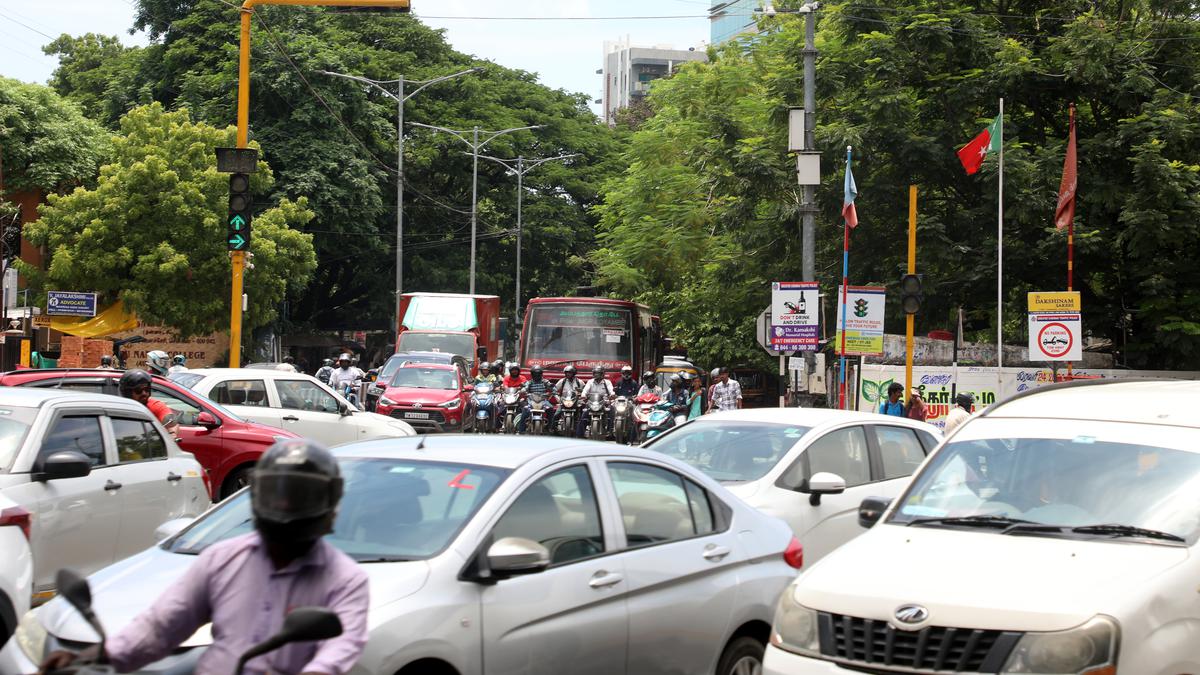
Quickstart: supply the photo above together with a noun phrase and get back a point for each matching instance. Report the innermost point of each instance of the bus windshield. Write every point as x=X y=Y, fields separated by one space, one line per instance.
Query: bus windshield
x=582 y=334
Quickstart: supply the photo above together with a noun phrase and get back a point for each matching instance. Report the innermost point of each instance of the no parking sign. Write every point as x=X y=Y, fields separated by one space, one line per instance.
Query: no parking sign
x=1055 y=335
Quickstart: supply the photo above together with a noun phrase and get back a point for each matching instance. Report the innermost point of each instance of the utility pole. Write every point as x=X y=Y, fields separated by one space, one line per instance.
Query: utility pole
x=400 y=97
x=808 y=230
x=476 y=145
x=520 y=170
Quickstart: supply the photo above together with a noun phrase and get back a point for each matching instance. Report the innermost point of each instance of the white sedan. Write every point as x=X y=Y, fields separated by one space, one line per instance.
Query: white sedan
x=16 y=566
x=299 y=403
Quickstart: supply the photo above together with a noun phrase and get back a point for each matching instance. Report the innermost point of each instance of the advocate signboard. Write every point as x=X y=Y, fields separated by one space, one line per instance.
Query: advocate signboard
x=794 y=315
x=70 y=303
x=864 y=321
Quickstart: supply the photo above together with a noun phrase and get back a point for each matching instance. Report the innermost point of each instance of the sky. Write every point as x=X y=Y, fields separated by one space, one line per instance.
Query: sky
x=565 y=46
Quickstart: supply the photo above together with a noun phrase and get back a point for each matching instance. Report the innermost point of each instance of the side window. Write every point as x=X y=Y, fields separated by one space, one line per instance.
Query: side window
x=82 y=387
x=842 y=452
x=560 y=512
x=137 y=441
x=185 y=410
x=240 y=392
x=702 y=513
x=899 y=450
x=81 y=434
x=304 y=395
x=928 y=440
x=655 y=505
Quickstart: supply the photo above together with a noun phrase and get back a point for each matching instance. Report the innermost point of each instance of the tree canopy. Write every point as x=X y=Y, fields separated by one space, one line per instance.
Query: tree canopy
x=46 y=143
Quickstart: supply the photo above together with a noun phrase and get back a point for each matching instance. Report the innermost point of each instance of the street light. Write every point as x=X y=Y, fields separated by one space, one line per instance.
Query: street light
x=521 y=169
x=400 y=97
x=476 y=145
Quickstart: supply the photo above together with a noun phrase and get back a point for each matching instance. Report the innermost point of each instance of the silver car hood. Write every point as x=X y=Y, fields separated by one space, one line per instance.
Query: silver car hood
x=122 y=590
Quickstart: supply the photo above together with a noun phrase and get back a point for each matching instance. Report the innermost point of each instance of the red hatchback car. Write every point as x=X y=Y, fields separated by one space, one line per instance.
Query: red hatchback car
x=429 y=396
x=226 y=445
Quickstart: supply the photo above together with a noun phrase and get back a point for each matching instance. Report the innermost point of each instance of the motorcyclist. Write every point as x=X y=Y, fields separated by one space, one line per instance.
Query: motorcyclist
x=158 y=362
x=246 y=585
x=345 y=374
x=136 y=384
x=568 y=380
x=678 y=396
x=514 y=377
x=325 y=371
x=179 y=364
x=537 y=384
x=106 y=362
x=650 y=385
x=626 y=386
x=486 y=376
x=599 y=385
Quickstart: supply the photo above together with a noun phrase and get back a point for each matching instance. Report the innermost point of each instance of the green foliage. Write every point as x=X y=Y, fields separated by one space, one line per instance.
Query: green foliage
x=706 y=214
x=151 y=232
x=45 y=142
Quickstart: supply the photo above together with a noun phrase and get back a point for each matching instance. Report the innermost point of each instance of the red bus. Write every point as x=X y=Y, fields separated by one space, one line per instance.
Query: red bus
x=589 y=331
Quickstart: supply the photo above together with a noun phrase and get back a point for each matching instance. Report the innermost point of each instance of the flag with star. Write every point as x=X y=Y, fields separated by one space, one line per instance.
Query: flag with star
x=972 y=154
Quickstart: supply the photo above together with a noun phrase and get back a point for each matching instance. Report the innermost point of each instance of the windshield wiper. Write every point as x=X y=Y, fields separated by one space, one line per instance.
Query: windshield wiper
x=1118 y=530
x=385 y=559
x=998 y=522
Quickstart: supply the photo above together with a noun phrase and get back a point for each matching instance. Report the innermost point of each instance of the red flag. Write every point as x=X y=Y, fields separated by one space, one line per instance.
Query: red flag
x=972 y=154
x=1064 y=215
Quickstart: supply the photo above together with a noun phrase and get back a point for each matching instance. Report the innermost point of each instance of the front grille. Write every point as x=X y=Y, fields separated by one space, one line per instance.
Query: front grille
x=434 y=416
x=934 y=649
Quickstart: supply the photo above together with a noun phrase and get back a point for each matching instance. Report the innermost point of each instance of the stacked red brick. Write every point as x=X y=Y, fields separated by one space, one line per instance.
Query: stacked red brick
x=78 y=352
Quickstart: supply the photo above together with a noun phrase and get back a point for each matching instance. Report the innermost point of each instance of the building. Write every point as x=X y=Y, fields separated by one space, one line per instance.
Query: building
x=731 y=18
x=628 y=71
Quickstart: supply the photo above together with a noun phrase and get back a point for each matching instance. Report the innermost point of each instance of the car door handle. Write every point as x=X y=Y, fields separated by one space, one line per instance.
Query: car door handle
x=173 y=477
x=110 y=485
x=714 y=553
x=604 y=579
x=290 y=418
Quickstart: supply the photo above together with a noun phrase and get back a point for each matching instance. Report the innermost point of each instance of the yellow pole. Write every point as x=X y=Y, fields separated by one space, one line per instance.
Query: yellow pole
x=912 y=269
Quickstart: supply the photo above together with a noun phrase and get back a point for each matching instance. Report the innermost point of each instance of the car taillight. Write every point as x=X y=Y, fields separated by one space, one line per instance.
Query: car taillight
x=794 y=555
x=17 y=517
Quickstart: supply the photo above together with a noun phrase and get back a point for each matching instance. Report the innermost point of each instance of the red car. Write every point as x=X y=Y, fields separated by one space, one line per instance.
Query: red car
x=226 y=445
x=429 y=396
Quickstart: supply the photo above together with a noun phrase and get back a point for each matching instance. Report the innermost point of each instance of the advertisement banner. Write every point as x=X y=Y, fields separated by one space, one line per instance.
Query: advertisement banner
x=70 y=303
x=794 y=315
x=864 y=321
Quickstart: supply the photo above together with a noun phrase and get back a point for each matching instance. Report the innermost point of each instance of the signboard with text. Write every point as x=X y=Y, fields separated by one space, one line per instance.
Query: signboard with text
x=1055 y=337
x=70 y=303
x=794 y=315
x=864 y=321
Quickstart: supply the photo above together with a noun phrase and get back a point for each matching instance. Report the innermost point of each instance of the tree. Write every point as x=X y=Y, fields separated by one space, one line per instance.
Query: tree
x=45 y=141
x=152 y=231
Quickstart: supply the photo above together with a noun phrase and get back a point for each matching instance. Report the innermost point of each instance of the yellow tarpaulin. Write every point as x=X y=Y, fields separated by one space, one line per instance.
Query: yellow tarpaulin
x=113 y=319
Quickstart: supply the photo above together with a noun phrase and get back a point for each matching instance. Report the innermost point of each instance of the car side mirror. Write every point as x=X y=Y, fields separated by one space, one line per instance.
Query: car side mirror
x=65 y=464
x=511 y=556
x=822 y=483
x=207 y=420
x=871 y=510
x=171 y=528
x=343 y=409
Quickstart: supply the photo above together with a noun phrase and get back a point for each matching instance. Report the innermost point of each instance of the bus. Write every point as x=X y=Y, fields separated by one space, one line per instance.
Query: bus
x=585 y=332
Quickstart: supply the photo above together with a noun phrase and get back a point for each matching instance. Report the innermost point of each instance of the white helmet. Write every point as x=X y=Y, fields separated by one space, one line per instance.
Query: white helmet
x=158 y=362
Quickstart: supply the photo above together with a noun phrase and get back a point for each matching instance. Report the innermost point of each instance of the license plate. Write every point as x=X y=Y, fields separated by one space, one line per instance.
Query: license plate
x=416 y=415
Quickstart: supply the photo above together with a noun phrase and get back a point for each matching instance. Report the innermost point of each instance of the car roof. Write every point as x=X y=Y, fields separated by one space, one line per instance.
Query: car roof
x=1165 y=402
x=434 y=366
x=447 y=356
x=504 y=451
x=262 y=373
x=38 y=396
x=809 y=417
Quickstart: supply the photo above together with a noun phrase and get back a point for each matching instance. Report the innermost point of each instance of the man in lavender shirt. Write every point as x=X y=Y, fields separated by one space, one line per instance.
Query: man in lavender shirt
x=246 y=585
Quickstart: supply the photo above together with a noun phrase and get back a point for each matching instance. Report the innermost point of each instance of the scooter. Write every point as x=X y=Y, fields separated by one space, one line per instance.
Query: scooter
x=512 y=408
x=539 y=410
x=597 y=406
x=350 y=393
x=483 y=402
x=302 y=624
x=661 y=419
x=622 y=410
x=568 y=412
x=646 y=404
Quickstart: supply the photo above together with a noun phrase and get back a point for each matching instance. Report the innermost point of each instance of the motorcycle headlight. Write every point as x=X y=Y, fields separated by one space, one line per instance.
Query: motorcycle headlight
x=452 y=403
x=31 y=637
x=795 y=626
x=1090 y=649
x=383 y=400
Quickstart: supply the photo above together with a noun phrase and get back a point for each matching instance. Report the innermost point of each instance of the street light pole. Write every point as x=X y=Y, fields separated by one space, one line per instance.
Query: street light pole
x=476 y=145
x=521 y=169
x=400 y=99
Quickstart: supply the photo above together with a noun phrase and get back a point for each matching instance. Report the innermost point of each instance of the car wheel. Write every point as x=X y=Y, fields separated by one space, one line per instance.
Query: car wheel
x=743 y=656
x=236 y=480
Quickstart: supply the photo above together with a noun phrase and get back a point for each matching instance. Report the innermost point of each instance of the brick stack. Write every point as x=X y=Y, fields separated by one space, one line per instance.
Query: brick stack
x=78 y=352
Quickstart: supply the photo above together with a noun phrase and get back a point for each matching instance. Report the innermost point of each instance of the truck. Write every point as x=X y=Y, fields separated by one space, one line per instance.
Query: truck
x=467 y=325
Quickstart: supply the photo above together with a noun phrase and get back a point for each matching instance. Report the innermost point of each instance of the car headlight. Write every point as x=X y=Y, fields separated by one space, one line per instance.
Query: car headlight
x=1090 y=649
x=795 y=626
x=452 y=403
x=383 y=400
x=31 y=637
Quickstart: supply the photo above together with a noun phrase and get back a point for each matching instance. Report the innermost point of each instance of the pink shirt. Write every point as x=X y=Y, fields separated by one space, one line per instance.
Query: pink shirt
x=235 y=585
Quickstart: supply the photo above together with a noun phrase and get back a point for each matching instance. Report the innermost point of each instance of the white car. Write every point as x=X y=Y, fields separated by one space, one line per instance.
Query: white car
x=1056 y=532
x=809 y=466
x=299 y=403
x=16 y=566
x=506 y=555
x=97 y=473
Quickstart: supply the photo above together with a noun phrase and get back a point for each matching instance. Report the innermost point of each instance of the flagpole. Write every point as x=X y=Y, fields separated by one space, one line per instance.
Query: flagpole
x=1000 y=262
x=845 y=285
x=1071 y=232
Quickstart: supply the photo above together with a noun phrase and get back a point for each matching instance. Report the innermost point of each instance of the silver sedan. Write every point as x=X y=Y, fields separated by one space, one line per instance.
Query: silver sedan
x=506 y=556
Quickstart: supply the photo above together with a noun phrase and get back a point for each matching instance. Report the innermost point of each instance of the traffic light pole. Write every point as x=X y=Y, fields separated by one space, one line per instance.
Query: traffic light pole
x=238 y=258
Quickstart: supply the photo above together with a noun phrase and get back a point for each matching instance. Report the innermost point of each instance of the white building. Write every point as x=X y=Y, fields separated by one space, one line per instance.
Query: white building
x=629 y=70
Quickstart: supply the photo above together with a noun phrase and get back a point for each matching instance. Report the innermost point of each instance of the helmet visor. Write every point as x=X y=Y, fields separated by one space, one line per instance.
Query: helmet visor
x=284 y=497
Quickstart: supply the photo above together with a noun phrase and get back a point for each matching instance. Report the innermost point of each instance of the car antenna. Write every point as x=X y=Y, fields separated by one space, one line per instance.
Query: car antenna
x=421 y=443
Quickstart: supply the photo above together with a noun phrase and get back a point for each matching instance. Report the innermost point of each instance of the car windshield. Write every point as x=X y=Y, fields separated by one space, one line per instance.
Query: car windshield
x=425 y=378
x=1056 y=484
x=391 y=366
x=730 y=450
x=190 y=380
x=14 y=423
x=392 y=510
x=462 y=344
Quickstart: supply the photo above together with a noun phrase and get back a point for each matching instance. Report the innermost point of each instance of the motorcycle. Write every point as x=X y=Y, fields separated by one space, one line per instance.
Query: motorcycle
x=483 y=402
x=539 y=410
x=661 y=419
x=512 y=408
x=302 y=624
x=597 y=406
x=569 y=408
x=350 y=392
x=622 y=410
x=646 y=404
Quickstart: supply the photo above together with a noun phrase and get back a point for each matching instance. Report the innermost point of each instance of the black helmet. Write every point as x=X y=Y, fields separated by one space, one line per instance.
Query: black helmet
x=648 y=376
x=536 y=373
x=133 y=379
x=106 y=360
x=626 y=372
x=965 y=400
x=294 y=490
x=597 y=370
x=569 y=371
x=498 y=366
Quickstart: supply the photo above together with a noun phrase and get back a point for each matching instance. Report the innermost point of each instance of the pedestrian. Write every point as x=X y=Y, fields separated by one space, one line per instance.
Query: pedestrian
x=916 y=406
x=726 y=393
x=696 y=403
x=961 y=411
x=893 y=405
x=288 y=365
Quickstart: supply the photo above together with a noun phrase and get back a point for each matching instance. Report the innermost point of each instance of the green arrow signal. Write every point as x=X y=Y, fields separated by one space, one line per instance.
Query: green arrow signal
x=237 y=241
x=237 y=221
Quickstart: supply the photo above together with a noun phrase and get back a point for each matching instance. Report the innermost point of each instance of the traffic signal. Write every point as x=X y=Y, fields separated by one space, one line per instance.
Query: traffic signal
x=911 y=295
x=240 y=203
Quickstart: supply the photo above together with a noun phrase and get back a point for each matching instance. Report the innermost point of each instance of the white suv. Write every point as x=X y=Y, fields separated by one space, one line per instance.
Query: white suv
x=16 y=566
x=1057 y=532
